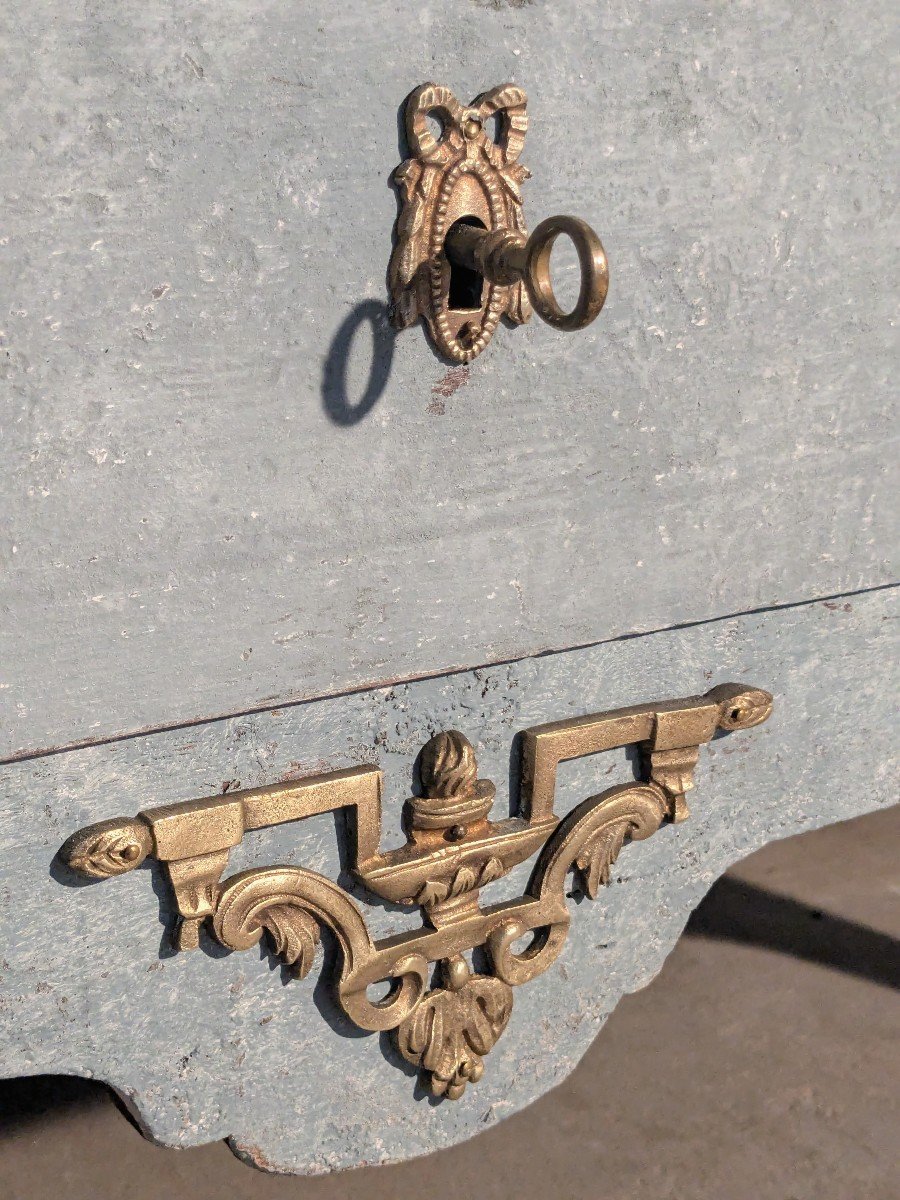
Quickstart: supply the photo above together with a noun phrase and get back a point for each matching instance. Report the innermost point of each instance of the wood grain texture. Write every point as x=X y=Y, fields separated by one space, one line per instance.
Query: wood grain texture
x=208 y=1045
x=206 y=506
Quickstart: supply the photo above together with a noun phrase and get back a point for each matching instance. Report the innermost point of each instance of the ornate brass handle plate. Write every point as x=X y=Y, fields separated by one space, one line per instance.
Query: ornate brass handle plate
x=452 y=851
x=462 y=257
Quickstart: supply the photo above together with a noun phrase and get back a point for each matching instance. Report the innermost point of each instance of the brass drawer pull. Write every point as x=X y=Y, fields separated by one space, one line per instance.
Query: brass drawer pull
x=453 y=850
x=462 y=258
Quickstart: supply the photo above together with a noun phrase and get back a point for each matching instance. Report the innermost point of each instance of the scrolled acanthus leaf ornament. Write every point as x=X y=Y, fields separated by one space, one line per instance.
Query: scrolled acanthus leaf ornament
x=290 y=904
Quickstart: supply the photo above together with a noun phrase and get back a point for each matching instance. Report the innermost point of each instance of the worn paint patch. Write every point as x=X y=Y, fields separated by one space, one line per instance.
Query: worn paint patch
x=452 y=381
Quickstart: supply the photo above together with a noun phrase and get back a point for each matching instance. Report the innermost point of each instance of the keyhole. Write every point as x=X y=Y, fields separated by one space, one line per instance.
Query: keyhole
x=466 y=285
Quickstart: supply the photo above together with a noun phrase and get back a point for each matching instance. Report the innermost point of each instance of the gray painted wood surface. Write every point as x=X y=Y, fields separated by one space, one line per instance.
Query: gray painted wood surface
x=212 y=1045
x=225 y=485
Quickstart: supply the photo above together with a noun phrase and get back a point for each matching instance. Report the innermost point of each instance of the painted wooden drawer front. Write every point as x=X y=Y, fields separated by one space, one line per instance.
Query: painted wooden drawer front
x=220 y=497
x=252 y=534
x=208 y=1045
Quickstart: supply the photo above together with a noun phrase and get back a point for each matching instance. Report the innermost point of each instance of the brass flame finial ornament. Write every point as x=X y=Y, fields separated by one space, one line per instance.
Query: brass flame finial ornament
x=462 y=256
x=453 y=850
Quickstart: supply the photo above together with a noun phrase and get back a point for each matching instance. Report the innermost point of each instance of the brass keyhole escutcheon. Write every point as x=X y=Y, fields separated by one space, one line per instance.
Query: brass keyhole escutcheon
x=463 y=257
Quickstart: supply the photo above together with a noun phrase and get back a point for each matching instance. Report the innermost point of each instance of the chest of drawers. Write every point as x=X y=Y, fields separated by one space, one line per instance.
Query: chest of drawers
x=252 y=534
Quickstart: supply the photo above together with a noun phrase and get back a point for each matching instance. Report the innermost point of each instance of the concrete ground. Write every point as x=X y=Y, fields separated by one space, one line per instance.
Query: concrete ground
x=761 y=1063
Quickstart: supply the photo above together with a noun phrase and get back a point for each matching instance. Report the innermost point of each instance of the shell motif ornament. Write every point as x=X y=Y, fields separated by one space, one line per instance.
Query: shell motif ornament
x=453 y=1027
